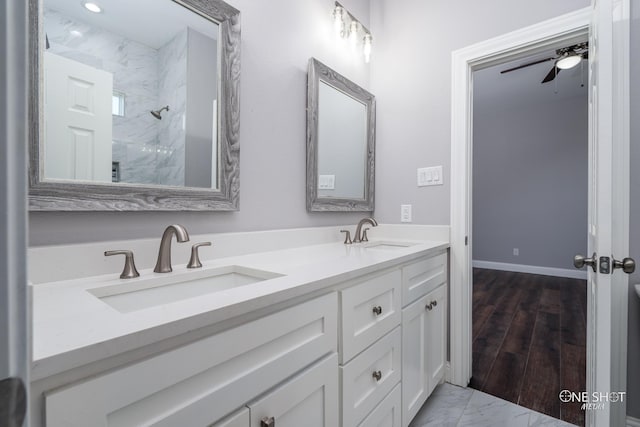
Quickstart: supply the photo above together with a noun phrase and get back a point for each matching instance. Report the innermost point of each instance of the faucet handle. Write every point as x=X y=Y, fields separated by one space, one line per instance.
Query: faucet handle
x=364 y=235
x=347 y=237
x=194 y=261
x=129 y=271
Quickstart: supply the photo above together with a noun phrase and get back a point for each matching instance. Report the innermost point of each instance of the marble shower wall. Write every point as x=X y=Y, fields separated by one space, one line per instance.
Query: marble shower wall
x=172 y=91
x=148 y=81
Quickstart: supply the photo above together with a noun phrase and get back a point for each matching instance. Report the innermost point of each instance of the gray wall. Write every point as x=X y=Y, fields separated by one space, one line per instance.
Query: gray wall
x=278 y=38
x=633 y=354
x=411 y=78
x=530 y=171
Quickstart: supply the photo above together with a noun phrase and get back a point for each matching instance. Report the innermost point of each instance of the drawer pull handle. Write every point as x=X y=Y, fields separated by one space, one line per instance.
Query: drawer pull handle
x=377 y=375
x=429 y=306
x=377 y=310
x=268 y=422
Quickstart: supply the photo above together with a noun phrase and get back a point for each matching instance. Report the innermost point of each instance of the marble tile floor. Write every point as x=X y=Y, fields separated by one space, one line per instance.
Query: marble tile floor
x=453 y=406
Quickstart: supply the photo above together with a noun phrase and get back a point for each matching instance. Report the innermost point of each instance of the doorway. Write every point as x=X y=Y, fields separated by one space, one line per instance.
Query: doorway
x=607 y=23
x=530 y=200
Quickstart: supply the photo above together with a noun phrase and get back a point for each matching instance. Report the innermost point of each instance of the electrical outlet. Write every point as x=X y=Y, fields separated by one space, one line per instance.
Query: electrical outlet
x=516 y=252
x=405 y=213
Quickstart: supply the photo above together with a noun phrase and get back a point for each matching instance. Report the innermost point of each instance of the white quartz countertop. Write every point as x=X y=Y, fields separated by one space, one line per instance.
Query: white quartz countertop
x=72 y=327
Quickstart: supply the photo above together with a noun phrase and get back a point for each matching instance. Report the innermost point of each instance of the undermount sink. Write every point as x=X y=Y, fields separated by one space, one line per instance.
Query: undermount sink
x=138 y=294
x=387 y=245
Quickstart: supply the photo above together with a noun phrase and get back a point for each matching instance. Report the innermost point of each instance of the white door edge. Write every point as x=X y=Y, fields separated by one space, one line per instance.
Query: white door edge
x=519 y=43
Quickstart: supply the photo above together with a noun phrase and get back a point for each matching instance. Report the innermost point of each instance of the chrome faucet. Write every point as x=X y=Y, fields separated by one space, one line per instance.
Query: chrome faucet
x=358 y=234
x=164 y=255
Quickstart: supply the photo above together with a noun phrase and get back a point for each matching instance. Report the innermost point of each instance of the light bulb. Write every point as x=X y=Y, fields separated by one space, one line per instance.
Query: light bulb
x=568 y=62
x=353 y=33
x=338 y=22
x=92 y=7
x=366 y=48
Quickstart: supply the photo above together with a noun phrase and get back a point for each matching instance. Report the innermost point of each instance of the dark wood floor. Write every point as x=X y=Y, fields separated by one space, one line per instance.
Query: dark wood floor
x=529 y=339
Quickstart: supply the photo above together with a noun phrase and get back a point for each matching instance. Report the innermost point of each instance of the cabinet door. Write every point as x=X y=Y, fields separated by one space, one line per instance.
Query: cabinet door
x=423 y=350
x=310 y=399
x=238 y=419
x=387 y=413
x=369 y=377
x=436 y=328
x=370 y=309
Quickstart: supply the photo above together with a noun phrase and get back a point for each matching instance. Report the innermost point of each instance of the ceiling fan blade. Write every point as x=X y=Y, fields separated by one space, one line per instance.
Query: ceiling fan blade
x=527 y=65
x=552 y=74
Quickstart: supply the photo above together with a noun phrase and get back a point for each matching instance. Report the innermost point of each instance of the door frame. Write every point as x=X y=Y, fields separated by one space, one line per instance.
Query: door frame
x=518 y=44
x=15 y=360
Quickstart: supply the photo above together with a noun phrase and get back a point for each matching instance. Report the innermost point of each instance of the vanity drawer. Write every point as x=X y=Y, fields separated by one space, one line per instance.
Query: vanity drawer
x=199 y=383
x=368 y=378
x=388 y=413
x=422 y=277
x=369 y=309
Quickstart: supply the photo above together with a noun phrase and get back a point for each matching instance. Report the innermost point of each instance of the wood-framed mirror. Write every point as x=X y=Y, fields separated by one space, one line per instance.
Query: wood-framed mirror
x=134 y=105
x=341 y=123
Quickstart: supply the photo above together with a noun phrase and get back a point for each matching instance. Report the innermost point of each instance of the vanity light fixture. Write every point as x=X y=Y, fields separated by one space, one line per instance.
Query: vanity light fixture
x=92 y=7
x=569 y=61
x=353 y=33
x=343 y=19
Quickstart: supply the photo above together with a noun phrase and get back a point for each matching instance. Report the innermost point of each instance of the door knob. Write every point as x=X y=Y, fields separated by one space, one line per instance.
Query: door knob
x=628 y=265
x=580 y=261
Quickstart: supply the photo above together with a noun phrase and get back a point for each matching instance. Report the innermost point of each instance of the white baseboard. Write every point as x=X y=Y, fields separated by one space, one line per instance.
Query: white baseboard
x=633 y=422
x=532 y=269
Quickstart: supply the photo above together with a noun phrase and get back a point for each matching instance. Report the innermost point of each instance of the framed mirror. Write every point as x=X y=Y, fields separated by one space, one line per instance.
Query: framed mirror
x=341 y=123
x=134 y=105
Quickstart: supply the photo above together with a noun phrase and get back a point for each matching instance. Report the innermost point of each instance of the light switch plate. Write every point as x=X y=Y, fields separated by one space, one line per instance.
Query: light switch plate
x=326 y=182
x=430 y=176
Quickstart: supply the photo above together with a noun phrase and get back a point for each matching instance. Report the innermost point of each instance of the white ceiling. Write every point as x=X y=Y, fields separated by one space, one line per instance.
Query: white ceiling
x=524 y=85
x=150 y=22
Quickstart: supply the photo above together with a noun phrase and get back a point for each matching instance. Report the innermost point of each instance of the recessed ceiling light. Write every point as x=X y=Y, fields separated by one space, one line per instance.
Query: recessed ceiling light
x=92 y=7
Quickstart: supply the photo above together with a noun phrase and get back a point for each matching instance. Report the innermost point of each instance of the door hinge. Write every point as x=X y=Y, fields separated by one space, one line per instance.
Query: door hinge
x=605 y=265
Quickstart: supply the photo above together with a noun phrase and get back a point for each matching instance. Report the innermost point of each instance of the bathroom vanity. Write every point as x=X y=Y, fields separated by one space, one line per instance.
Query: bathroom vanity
x=323 y=335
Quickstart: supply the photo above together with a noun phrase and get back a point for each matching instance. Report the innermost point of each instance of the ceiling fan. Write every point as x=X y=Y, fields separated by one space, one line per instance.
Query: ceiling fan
x=566 y=57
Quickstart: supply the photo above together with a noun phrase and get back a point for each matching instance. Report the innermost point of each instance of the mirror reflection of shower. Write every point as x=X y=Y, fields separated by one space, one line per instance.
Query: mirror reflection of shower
x=158 y=113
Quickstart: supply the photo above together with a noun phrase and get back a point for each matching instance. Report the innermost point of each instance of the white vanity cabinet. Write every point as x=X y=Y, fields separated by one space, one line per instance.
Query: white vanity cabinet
x=424 y=328
x=366 y=353
x=200 y=383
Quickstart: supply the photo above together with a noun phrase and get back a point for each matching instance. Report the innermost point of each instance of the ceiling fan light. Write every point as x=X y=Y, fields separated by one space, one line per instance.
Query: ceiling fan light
x=568 y=62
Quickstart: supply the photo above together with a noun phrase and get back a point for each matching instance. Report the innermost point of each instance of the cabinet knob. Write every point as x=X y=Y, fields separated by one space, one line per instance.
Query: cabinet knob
x=377 y=375
x=268 y=422
x=435 y=303
x=429 y=306
x=377 y=310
